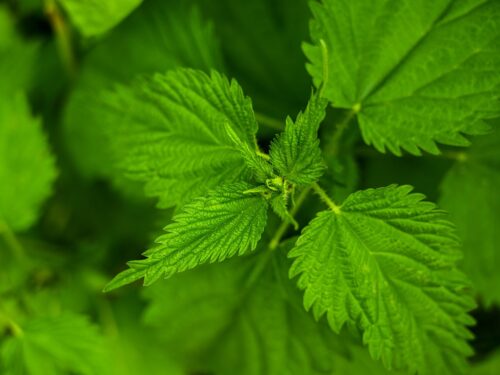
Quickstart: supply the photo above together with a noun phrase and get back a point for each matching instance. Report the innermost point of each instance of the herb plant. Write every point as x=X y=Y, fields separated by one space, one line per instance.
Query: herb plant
x=284 y=147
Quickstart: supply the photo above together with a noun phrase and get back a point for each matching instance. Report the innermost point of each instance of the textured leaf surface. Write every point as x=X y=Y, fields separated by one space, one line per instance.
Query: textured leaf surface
x=95 y=17
x=418 y=71
x=62 y=345
x=470 y=192
x=157 y=37
x=173 y=132
x=224 y=223
x=247 y=320
x=295 y=153
x=27 y=168
x=386 y=264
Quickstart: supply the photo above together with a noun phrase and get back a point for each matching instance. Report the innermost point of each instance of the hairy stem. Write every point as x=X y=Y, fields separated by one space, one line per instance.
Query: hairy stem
x=269 y=121
x=278 y=235
x=325 y=198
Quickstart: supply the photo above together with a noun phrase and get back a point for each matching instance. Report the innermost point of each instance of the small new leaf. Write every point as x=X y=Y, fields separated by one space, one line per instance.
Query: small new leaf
x=417 y=72
x=225 y=222
x=295 y=153
x=386 y=264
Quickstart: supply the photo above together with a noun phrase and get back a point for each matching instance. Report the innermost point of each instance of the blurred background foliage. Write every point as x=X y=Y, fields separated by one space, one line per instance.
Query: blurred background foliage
x=78 y=219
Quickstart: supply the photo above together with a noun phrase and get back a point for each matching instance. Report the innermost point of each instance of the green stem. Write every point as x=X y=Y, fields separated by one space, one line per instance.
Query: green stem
x=11 y=240
x=63 y=36
x=269 y=121
x=282 y=229
x=325 y=198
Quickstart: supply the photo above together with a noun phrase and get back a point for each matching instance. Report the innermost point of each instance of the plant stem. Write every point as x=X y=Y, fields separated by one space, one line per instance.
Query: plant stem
x=11 y=240
x=269 y=121
x=325 y=198
x=276 y=240
x=63 y=36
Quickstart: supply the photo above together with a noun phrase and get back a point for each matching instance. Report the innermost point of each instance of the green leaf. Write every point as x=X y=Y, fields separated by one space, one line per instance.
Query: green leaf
x=172 y=133
x=416 y=72
x=27 y=168
x=54 y=345
x=224 y=223
x=295 y=153
x=385 y=263
x=159 y=36
x=470 y=192
x=95 y=17
x=248 y=320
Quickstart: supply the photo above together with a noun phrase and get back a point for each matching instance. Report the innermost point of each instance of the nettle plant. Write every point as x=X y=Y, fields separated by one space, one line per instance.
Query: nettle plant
x=291 y=245
x=382 y=261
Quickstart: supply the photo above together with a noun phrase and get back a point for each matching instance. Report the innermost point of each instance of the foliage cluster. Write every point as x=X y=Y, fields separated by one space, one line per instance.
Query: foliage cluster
x=272 y=156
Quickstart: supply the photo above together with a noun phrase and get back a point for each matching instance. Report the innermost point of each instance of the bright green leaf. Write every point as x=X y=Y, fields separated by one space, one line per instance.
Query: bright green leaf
x=27 y=168
x=295 y=153
x=95 y=17
x=172 y=133
x=470 y=192
x=416 y=72
x=385 y=262
x=224 y=223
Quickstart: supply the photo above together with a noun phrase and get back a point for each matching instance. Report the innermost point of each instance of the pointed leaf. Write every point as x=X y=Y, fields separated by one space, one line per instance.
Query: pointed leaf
x=385 y=262
x=416 y=71
x=222 y=224
x=172 y=132
x=295 y=153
